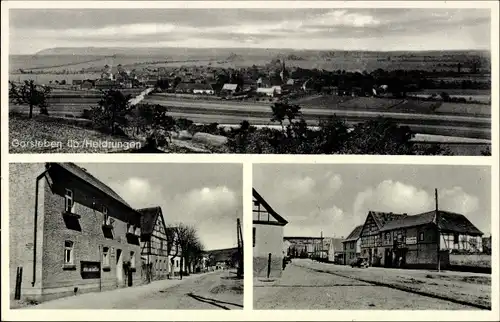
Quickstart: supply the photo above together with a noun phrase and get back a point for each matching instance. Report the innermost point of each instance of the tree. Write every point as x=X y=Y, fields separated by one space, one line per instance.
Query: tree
x=111 y=111
x=30 y=94
x=155 y=121
x=189 y=244
x=283 y=111
x=162 y=83
x=173 y=247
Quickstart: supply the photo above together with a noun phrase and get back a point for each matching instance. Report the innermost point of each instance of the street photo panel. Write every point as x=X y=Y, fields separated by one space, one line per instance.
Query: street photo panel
x=125 y=236
x=400 y=81
x=371 y=237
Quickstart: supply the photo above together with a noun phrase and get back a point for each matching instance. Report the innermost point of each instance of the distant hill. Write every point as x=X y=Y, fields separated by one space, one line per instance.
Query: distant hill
x=160 y=51
x=237 y=53
x=222 y=255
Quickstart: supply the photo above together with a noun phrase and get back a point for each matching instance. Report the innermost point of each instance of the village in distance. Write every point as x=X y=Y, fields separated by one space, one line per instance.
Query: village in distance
x=106 y=96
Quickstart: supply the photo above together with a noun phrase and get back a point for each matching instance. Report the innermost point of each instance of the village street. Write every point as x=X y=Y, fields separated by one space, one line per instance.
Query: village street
x=310 y=285
x=214 y=290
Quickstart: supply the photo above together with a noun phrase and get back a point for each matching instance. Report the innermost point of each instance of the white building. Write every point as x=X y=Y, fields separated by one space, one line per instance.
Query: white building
x=268 y=245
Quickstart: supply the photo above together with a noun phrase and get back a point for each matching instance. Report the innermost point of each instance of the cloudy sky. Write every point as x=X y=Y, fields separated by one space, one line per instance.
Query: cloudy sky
x=32 y=30
x=207 y=196
x=336 y=198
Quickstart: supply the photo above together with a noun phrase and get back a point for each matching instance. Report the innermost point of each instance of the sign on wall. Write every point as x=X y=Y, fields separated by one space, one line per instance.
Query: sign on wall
x=90 y=270
x=411 y=240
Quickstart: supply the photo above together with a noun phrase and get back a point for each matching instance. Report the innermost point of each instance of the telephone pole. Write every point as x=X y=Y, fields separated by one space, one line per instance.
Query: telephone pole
x=438 y=231
x=321 y=254
x=239 y=237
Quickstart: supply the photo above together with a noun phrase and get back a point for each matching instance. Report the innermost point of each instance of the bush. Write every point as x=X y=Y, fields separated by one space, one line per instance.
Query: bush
x=379 y=136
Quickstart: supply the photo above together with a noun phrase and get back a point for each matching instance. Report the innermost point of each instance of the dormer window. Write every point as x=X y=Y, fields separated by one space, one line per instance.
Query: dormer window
x=138 y=231
x=130 y=229
x=68 y=201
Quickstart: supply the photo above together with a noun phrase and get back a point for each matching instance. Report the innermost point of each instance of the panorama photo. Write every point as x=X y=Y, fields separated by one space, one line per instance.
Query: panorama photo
x=405 y=81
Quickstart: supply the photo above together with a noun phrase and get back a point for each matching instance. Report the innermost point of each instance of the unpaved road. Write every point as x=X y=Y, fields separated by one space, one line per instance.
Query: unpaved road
x=300 y=288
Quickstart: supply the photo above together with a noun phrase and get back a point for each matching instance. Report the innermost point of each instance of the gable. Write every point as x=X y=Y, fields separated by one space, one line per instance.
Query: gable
x=370 y=226
x=159 y=228
x=263 y=213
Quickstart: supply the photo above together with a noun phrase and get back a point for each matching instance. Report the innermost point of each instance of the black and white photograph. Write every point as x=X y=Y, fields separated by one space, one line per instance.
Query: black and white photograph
x=126 y=236
x=263 y=80
x=365 y=237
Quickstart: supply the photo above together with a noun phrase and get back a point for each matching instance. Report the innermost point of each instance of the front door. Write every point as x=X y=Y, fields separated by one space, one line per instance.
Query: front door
x=119 y=267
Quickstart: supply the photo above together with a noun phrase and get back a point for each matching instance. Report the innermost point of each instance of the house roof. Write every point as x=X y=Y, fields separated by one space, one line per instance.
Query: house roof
x=301 y=238
x=382 y=218
x=268 y=208
x=230 y=87
x=335 y=242
x=265 y=90
x=193 y=86
x=448 y=221
x=149 y=218
x=354 y=235
x=90 y=179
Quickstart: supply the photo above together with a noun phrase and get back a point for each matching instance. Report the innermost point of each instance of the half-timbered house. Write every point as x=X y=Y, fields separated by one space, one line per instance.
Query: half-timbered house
x=418 y=241
x=155 y=244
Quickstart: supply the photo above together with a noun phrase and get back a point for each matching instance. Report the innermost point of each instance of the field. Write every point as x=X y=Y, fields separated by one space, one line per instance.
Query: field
x=472 y=95
x=72 y=103
x=394 y=105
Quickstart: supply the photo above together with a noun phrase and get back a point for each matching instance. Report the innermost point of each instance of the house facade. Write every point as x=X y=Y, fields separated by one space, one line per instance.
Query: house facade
x=419 y=241
x=352 y=245
x=155 y=244
x=69 y=233
x=268 y=233
x=335 y=250
x=175 y=253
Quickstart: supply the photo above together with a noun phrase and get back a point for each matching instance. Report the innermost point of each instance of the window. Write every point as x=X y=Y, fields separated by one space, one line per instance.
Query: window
x=455 y=238
x=177 y=262
x=130 y=228
x=68 y=252
x=68 y=201
x=107 y=218
x=132 y=259
x=105 y=256
x=387 y=237
x=421 y=236
x=400 y=237
x=253 y=235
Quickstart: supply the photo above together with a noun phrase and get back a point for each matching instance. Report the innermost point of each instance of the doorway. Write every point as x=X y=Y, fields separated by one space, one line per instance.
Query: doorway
x=119 y=267
x=388 y=258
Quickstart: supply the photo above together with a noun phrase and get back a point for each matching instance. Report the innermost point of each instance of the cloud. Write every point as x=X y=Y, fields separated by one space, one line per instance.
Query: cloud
x=398 y=197
x=457 y=200
x=138 y=192
x=206 y=204
x=263 y=28
x=211 y=209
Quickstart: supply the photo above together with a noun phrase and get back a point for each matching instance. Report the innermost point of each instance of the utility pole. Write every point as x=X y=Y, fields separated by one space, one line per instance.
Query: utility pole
x=321 y=254
x=438 y=231
x=239 y=236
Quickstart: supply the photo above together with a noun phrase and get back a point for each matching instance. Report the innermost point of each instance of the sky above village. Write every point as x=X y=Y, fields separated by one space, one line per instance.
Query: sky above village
x=336 y=198
x=206 y=196
x=32 y=30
